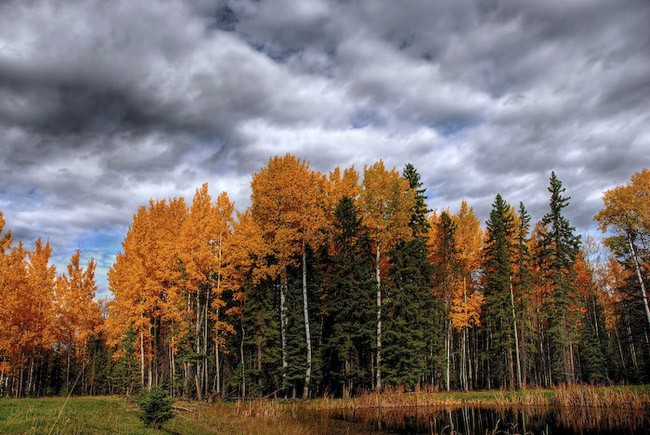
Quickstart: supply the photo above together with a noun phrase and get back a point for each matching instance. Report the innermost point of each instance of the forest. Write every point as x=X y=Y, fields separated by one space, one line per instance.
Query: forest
x=333 y=285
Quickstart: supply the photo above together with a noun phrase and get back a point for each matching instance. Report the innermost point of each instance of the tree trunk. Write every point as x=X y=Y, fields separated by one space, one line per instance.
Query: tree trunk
x=67 y=371
x=151 y=357
x=243 y=363
x=283 y=331
x=448 y=348
x=141 y=358
x=378 y=276
x=463 y=361
x=205 y=376
x=172 y=367
x=514 y=327
x=305 y=392
x=644 y=295
x=620 y=352
x=197 y=384
x=30 y=378
x=217 y=363
x=258 y=343
x=198 y=371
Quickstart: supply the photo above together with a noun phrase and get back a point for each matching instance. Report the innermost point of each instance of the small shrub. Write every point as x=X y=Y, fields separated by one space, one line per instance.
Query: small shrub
x=155 y=407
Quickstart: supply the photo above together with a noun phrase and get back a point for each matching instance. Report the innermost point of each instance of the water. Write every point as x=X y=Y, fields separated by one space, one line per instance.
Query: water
x=475 y=420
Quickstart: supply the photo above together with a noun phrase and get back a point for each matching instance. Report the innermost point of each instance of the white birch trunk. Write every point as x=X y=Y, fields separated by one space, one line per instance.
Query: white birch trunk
x=283 y=331
x=448 y=346
x=640 y=278
x=305 y=393
x=378 y=276
x=141 y=358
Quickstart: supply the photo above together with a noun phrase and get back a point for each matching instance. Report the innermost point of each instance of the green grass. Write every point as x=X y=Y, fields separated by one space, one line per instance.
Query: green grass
x=112 y=414
x=92 y=415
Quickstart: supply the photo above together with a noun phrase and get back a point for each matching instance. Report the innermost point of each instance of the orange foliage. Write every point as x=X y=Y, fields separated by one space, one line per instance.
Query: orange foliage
x=288 y=200
x=26 y=312
x=466 y=300
x=386 y=202
x=78 y=316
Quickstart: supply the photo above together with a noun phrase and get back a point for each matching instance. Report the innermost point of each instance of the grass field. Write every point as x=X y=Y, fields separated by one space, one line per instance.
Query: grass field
x=109 y=415
x=97 y=415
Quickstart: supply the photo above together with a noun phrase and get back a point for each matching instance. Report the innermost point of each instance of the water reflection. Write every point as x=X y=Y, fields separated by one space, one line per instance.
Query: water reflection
x=474 y=420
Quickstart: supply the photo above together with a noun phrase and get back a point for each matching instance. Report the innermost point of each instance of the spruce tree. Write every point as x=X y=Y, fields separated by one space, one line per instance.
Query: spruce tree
x=523 y=282
x=560 y=247
x=409 y=296
x=498 y=272
x=349 y=324
x=593 y=359
x=261 y=323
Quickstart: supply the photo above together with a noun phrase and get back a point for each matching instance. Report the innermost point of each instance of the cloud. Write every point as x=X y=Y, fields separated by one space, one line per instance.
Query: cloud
x=106 y=104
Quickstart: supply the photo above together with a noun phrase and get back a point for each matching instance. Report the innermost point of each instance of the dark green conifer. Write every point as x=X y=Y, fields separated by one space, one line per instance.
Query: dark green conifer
x=558 y=254
x=497 y=269
x=409 y=296
x=349 y=330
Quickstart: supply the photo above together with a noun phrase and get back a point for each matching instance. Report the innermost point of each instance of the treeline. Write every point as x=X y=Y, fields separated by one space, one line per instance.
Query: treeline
x=50 y=326
x=333 y=284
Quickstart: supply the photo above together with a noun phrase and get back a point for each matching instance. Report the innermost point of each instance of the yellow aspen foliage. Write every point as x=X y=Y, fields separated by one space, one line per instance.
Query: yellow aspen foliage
x=466 y=300
x=79 y=316
x=288 y=204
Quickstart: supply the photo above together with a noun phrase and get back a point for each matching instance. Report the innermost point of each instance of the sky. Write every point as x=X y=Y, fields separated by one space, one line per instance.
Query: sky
x=105 y=104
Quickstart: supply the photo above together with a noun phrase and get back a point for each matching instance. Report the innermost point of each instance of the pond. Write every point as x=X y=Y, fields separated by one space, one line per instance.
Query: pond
x=476 y=420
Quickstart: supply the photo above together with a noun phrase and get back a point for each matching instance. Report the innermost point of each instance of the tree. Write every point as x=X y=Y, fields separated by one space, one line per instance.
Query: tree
x=466 y=298
x=79 y=317
x=559 y=247
x=26 y=314
x=155 y=407
x=349 y=329
x=522 y=289
x=147 y=280
x=288 y=205
x=409 y=296
x=626 y=212
x=497 y=270
x=594 y=368
x=386 y=201
x=443 y=255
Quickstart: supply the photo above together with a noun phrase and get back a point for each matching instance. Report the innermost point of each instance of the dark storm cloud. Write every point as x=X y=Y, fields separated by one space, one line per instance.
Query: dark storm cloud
x=106 y=104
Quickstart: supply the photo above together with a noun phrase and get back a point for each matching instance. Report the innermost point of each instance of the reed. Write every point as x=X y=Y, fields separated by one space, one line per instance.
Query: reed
x=388 y=398
x=600 y=397
x=561 y=396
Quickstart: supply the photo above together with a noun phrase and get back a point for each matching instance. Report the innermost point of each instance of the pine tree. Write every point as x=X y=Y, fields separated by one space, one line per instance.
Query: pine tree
x=559 y=249
x=497 y=269
x=523 y=286
x=408 y=296
x=350 y=312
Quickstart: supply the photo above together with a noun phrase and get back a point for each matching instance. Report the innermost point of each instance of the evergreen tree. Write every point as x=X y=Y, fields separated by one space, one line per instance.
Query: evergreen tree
x=261 y=324
x=409 y=295
x=559 y=249
x=349 y=330
x=593 y=360
x=523 y=302
x=126 y=377
x=498 y=275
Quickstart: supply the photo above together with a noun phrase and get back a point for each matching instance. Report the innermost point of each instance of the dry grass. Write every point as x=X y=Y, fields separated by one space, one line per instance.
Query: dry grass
x=600 y=397
x=562 y=396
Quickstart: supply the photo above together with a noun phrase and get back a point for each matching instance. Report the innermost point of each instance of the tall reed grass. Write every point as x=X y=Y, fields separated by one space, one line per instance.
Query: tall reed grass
x=561 y=396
